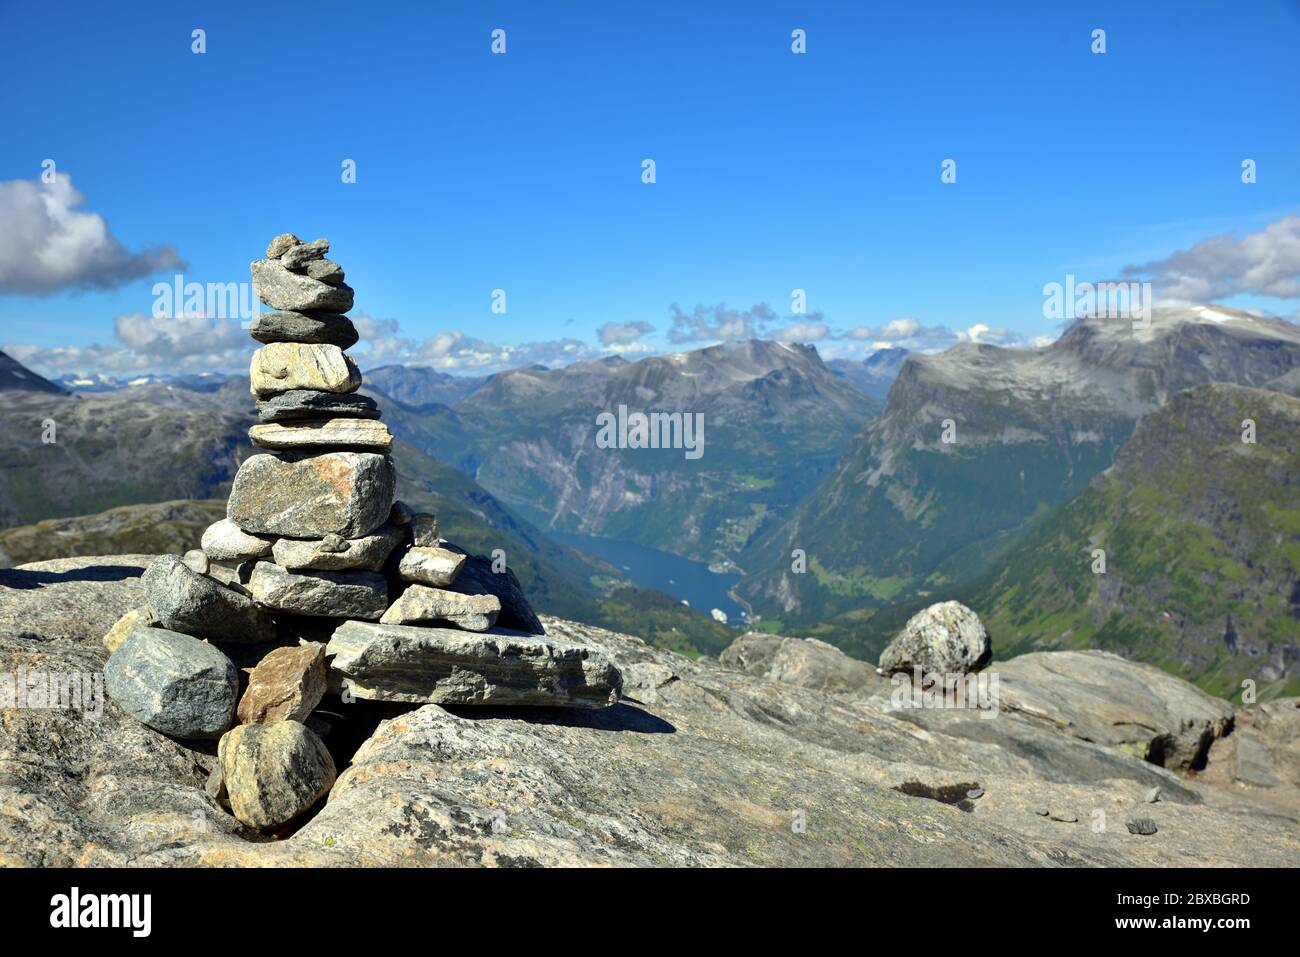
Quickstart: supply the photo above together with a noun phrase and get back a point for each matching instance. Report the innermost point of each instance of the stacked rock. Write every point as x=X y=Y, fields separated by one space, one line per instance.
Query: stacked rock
x=315 y=543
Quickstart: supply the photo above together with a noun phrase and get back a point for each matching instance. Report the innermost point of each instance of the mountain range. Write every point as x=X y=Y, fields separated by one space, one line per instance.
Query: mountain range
x=873 y=375
x=775 y=421
x=990 y=475
x=977 y=444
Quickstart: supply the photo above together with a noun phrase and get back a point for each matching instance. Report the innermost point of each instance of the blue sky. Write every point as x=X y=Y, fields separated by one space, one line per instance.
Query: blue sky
x=522 y=171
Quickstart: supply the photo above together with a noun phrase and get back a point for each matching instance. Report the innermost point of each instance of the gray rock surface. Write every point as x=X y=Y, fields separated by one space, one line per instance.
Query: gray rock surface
x=307 y=404
x=226 y=542
x=314 y=327
x=297 y=258
x=197 y=560
x=715 y=772
x=290 y=292
x=185 y=601
x=807 y=662
x=424 y=530
x=431 y=566
x=946 y=638
x=448 y=666
x=351 y=594
x=290 y=366
x=1263 y=750
x=281 y=244
x=273 y=772
x=343 y=493
x=175 y=684
x=401 y=514
x=1101 y=697
x=326 y=271
x=420 y=603
x=476 y=577
x=322 y=434
x=77 y=598
x=335 y=553
x=139 y=617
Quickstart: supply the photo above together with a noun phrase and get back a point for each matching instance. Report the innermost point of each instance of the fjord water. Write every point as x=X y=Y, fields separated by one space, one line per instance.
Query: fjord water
x=662 y=571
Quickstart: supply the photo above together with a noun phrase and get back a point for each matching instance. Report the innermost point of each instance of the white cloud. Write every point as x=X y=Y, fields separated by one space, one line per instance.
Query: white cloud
x=993 y=335
x=186 y=343
x=47 y=244
x=623 y=336
x=803 y=332
x=1264 y=263
x=715 y=323
x=181 y=337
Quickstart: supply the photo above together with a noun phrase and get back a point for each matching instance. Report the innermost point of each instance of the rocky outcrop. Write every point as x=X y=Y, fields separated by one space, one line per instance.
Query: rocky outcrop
x=719 y=768
x=384 y=662
x=805 y=662
x=1104 y=698
x=945 y=639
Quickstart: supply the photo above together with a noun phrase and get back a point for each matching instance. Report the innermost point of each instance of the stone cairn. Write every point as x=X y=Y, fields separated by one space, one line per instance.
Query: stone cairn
x=315 y=545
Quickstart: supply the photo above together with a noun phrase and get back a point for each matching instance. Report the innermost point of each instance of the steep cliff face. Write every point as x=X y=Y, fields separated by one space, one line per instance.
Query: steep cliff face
x=978 y=442
x=698 y=765
x=1201 y=535
x=774 y=420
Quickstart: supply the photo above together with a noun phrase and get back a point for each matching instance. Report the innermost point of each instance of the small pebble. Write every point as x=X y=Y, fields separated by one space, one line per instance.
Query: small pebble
x=974 y=793
x=1141 y=825
x=1152 y=796
x=197 y=560
x=1042 y=812
x=1065 y=817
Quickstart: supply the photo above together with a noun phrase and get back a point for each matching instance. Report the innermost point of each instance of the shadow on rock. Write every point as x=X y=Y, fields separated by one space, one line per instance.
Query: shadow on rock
x=618 y=717
x=25 y=578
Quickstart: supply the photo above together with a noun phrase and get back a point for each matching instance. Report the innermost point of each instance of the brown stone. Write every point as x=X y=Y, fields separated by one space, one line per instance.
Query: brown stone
x=285 y=686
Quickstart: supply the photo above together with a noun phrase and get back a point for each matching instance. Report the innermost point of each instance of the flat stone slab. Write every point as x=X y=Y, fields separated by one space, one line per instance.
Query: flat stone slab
x=383 y=662
x=420 y=603
x=339 y=493
x=322 y=434
x=431 y=566
x=320 y=594
x=308 y=404
x=224 y=541
x=283 y=366
x=477 y=577
x=314 y=327
x=290 y=292
x=335 y=553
